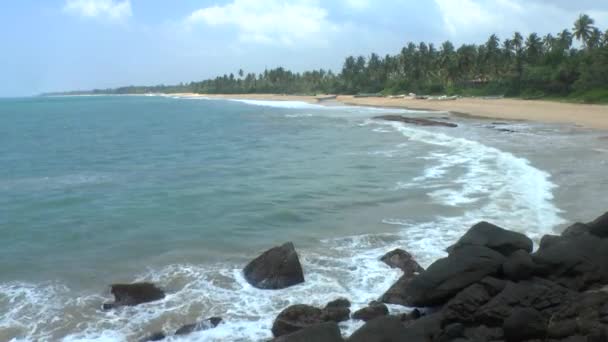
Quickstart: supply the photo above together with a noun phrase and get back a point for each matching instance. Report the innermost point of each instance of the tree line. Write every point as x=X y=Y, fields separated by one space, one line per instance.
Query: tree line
x=530 y=67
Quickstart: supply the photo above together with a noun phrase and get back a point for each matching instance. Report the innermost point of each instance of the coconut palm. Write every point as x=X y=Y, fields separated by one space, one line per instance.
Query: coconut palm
x=533 y=47
x=518 y=42
x=583 y=28
x=595 y=39
x=565 y=39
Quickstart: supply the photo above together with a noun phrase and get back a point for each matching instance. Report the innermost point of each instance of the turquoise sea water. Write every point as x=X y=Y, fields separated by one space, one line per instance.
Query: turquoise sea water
x=97 y=190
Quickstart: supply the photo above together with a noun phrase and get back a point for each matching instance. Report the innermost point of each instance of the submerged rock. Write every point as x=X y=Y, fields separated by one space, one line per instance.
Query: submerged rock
x=415 y=121
x=199 y=326
x=157 y=336
x=134 y=294
x=277 y=268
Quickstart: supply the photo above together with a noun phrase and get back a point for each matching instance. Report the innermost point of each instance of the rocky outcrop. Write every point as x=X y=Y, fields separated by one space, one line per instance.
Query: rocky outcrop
x=134 y=294
x=415 y=121
x=382 y=329
x=277 y=268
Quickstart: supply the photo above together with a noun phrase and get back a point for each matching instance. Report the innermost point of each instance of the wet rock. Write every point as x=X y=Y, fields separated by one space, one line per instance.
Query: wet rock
x=336 y=311
x=415 y=121
x=426 y=328
x=403 y=260
x=448 y=276
x=374 y=310
x=324 y=332
x=134 y=294
x=381 y=329
x=524 y=324
x=484 y=333
x=576 y=229
x=199 y=326
x=157 y=336
x=464 y=306
x=548 y=240
x=277 y=268
x=493 y=237
x=296 y=317
x=396 y=293
x=518 y=266
x=540 y=294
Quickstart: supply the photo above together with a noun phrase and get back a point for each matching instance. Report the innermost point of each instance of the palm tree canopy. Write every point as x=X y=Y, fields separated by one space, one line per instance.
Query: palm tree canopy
x=583 y=28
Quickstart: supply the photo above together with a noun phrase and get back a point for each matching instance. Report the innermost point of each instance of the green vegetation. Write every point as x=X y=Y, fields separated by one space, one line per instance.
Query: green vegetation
x=532 y=67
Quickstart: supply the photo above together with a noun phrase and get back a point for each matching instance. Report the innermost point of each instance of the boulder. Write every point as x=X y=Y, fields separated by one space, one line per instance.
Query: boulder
x=448 y=276
x=582 y=314
x=296 y=317
x=374 y=310
x=300 y=316
x=463 y=307
x=578 y=262
x=277 y=268
x=403 y=260
x=425 y=329
x=198 y=326
x=576 y=229
x=599 y=226
x=484 y=333
x=518 y=266
x=381 y=329
x=548 y=240
x=493 y=237
x=396 y=293
x=524 y=324
x=415 y=121
x=336 y=311
x=134 y=294
x=324 y=332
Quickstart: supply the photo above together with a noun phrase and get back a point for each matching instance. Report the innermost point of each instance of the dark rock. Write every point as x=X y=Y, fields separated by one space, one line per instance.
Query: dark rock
x=577 y=262
x=157 y=336
x=335 y=314
x=484 y=333
x=543 y=295
x=381 y=329
x=448 y=276
x=561 y=329
x=324 y=332
x=396 y=293
x=426 y=328
x=586 y=310
x=548 y=240
x=524 y=324
x=415 y=121
x=134 y=294
x=411 y=316
x=464 y=306
x=493 y=237
x=576 y=229
x=374 y=310
x=453 y=331
x=403 y=260
x=202 y=325
x=518 y=266
x=599 y=226
x=493 y=285
x=277 y=268
x=338 y=303
x=296 y=317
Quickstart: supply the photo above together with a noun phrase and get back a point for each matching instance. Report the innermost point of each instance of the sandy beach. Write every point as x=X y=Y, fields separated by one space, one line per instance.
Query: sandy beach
x=582 y=115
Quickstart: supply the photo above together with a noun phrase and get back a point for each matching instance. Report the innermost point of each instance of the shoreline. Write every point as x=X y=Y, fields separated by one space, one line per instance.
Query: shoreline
x=580 y=115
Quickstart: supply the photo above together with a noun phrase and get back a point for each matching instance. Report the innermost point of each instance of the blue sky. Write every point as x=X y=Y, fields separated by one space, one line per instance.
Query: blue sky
x=56 y=45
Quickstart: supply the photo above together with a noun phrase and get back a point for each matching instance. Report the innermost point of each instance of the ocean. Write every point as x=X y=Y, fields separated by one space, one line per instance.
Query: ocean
x=185 y=191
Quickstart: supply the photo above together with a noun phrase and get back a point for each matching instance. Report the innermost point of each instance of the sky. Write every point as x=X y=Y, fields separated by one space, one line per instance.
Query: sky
x=55 y=45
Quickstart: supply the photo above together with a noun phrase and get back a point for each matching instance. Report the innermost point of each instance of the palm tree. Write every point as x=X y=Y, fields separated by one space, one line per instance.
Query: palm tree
x=583 y=28
x=518 y=42
x=565 y=39
x=533 y=47
x=595 y=39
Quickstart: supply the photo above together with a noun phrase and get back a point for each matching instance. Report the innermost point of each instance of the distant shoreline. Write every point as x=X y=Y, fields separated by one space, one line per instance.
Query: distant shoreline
x=582 y=115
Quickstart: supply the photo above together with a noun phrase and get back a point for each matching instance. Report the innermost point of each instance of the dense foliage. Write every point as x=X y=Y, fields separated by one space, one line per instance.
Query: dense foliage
x=530 y=67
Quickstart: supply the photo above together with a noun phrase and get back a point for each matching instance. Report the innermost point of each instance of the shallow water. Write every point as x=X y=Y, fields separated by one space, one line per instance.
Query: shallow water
x=183 y=192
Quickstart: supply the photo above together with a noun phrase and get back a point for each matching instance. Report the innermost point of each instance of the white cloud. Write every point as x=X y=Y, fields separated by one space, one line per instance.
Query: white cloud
x=115 y=10
x=269 y=21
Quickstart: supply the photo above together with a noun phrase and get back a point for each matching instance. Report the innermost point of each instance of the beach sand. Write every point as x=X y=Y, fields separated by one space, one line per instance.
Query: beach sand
x=582 y=115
